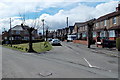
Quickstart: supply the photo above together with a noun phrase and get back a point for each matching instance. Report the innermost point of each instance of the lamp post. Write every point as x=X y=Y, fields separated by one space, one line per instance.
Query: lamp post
x=10 y=34
x=43 y=27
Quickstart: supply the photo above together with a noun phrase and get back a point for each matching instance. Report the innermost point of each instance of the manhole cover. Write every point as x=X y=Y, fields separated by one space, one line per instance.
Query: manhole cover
x=45 y=74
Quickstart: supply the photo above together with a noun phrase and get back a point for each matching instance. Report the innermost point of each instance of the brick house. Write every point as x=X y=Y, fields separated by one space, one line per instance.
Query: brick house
x=18 y=33
x=59 y=33
x=108 y=26
x=82 y=31
x=70 y=29
x=79 y=29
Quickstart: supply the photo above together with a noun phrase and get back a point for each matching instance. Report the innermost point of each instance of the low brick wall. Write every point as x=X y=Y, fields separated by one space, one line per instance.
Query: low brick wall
x=81 y=42
x=112 y=38
x=65 y=40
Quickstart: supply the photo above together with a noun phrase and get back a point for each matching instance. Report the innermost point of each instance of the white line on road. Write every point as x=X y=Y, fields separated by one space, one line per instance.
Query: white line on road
x=94 y=66
x=88 y=63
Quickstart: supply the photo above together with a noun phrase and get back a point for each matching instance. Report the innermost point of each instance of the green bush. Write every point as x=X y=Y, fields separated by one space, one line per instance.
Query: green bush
x=118 y=44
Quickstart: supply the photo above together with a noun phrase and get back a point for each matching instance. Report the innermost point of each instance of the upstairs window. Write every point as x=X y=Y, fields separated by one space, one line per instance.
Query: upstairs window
x=97 y=25
x=17 y=32
x=101 y=23
x=105 y=22
x=114 y=20
x=85 y=27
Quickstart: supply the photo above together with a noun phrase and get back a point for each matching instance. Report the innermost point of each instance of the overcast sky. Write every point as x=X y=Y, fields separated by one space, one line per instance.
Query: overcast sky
x=54 y=12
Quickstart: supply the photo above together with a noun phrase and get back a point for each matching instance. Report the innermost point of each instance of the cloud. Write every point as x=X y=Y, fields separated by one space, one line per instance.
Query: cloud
x=57 y=0
x=80 y=13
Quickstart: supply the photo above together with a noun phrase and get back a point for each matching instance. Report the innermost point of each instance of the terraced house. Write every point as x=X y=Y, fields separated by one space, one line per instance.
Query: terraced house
x=108 y=26
x=76 y=30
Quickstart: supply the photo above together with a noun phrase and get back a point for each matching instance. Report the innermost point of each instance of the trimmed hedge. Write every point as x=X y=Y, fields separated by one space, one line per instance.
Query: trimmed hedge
x=21 y=41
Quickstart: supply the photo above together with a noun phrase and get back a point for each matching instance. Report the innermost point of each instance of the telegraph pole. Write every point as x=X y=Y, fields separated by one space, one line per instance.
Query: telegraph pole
x=10 y=34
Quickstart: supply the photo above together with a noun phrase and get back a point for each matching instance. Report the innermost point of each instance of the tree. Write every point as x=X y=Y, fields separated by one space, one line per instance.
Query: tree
x=90 y=29
x=30 y=30
x=34 y=24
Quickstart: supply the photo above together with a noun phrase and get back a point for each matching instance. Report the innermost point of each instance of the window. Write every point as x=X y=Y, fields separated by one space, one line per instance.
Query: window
x=84 y=34
x=105 y=22
x=33 y=38
x=11 y=38
x=112 y=33
x=85 y=27
x=26 y=32
x=17 y=32
x=5 y=38
x=114 y=20
x=12 y=32
x=96 y=24
x=26 y=38
x=102 y=34
x=94 y=34
x=101 y=23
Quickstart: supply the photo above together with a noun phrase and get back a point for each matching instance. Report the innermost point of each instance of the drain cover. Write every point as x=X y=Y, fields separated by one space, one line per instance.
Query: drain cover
x=45 y=74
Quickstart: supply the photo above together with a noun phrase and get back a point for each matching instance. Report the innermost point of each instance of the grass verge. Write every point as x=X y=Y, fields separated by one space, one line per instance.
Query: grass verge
x=38 y=47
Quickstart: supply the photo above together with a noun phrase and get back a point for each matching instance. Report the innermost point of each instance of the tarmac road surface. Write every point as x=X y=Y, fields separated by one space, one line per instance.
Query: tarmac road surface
x=64 y=61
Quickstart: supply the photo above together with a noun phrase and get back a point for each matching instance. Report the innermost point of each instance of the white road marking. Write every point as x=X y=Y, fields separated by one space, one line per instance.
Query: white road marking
x=88 y=63
x=94 y=66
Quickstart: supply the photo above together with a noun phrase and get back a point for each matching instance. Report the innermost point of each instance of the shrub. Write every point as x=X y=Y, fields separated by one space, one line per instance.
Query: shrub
x=26 y=49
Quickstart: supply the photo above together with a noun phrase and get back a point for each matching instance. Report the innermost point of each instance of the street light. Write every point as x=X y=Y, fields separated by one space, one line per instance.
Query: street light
x=10 y=34
x=43 y=27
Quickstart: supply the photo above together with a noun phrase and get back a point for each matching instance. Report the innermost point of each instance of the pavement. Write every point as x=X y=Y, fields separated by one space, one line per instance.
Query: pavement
x=108 y=51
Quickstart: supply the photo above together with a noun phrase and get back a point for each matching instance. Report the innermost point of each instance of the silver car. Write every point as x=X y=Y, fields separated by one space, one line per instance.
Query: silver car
x=55 y=42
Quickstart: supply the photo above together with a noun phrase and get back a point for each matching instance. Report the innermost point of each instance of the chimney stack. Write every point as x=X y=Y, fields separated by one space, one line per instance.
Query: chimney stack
x=118 y=8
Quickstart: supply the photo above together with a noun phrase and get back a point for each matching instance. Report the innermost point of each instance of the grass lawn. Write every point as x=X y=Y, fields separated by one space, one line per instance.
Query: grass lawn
x=38 y=47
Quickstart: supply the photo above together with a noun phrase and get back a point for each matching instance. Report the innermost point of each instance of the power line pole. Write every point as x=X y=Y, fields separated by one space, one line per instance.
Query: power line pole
x=10 y=34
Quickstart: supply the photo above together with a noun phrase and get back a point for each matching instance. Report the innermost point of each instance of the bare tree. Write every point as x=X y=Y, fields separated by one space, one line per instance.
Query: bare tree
x=30 y=30
x=89 y=32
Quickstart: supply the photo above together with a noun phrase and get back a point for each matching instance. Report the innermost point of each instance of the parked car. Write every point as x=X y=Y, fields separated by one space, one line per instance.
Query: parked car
x=49 y=39
x=55 y=42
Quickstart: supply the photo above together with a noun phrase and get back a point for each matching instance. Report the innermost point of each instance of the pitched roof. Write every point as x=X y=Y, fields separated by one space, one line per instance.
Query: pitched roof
x=107 y=16
x=79 y=23
x=17 y=27
x=85 y=23
x=71 y=27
